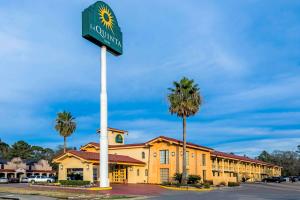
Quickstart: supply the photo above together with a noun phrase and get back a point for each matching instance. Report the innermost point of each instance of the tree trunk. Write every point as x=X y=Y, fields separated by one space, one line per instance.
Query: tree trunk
x=184 y=151
x=65 y=144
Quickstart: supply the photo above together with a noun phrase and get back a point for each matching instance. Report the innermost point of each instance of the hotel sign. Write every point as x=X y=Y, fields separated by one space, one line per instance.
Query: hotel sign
x=100 y=26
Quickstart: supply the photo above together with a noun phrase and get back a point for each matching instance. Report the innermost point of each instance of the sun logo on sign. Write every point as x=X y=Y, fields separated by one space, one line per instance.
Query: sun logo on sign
x=106 y=18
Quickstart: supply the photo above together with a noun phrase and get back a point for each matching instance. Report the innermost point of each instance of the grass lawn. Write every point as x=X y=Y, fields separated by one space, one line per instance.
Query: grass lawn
x=61 y=194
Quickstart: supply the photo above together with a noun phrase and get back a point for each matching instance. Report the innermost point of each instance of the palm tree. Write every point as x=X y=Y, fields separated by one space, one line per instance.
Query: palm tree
x=65 y=125
x=184 y=101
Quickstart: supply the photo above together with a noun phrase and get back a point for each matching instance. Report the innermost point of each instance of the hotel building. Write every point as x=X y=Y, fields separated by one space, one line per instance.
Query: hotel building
x=157 y=160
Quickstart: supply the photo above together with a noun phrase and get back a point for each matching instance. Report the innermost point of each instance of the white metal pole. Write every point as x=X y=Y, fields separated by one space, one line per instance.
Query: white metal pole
x=104 y=181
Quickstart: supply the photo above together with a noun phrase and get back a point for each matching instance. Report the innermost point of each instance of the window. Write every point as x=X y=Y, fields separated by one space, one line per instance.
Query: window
x=216 y=174
x=146 y=172
x=164 y=156
x=204 y=175
x=143 y=155
x=2 y=166
x=203 y=159
x=164 y=175
x=119 y=138
x=138 y=172
x=187 y=155
x=74 y=173
x=95 y=173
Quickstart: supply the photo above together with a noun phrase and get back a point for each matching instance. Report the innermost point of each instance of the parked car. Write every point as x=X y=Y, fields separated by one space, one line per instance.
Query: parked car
x=286 y=178
x=3 y=180
x=273 y=179
x=40 y=179
x=24 y=180
x=294 y=178
x=13 y=180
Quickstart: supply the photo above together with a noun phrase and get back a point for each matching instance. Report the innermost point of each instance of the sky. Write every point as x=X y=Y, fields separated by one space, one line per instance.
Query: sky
x=244 y=55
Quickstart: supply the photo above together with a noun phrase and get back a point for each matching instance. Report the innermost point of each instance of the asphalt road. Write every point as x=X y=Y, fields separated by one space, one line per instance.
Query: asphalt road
x=260 y=191
x=8 y=196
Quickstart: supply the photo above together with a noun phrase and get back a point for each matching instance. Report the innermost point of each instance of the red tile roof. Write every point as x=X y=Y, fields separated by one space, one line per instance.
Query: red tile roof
x=41 y=171
x=242 y=158
x=114 y=130
x=7 y=170
x=160 y=137
x=92 y=143
x=180 y=142
x=119 y=145
x=111 y=157
x=127 y=145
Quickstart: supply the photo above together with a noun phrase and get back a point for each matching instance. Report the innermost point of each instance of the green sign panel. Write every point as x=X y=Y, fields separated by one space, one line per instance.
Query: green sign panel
x=100 y=26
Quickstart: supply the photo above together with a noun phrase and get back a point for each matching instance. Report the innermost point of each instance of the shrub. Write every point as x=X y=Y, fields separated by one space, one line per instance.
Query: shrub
x=74 y=182
x=178 y=177
x=206 y=185
x=233 y=184
x=193 y=179
x=166 y=183
x=210 y=182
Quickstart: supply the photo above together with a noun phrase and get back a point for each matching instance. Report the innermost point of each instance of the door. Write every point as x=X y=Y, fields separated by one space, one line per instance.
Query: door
x=164 y=175
x=119 y=174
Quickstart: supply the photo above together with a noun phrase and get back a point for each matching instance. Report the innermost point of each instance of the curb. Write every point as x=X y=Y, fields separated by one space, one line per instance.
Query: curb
x=187 y=189
x=99 y=188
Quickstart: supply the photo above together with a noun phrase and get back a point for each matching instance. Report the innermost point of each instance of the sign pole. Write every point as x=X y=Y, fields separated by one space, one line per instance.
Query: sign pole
x=104 y=181
x=100 y=26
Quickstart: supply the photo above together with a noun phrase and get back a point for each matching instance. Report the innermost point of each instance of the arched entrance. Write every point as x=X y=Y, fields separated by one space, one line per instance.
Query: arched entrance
x=20 y=173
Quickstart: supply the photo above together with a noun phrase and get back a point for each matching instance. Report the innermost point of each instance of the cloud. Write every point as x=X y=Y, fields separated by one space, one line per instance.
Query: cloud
x=246 y=63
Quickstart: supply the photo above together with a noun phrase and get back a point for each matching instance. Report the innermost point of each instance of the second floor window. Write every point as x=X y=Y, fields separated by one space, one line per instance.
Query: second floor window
x=203 y=160
x=187 y=158
x=143 y=155
x=119 y=138
x=164 y=156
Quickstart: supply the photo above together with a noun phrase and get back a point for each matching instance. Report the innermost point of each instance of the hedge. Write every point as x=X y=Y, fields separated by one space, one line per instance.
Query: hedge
x=74 y=182
x=193 y=179
x=233 y=184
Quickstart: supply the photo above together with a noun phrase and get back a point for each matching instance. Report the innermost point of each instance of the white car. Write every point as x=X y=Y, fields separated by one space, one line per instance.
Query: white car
x=24 y=180
x=3 y=180
x=40 y=179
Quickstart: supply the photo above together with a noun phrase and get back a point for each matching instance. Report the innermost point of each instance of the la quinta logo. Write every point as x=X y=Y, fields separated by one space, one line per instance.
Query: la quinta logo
x=106 y=18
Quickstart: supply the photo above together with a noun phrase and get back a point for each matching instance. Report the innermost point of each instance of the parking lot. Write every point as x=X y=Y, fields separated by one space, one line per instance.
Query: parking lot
x=259 y=191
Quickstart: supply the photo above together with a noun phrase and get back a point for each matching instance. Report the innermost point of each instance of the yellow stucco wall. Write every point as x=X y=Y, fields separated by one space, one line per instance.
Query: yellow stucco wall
x=194 y=166
x=112 y=137
x=136 y=174
x=74 y=162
